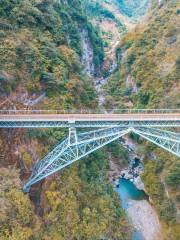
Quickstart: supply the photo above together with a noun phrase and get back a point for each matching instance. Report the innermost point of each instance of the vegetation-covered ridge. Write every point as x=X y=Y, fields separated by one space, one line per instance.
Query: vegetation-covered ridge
x=133 y=8
x=148 y=75
x=79 y=204
x=103 y=17
x=112 y=18
x=41 y=51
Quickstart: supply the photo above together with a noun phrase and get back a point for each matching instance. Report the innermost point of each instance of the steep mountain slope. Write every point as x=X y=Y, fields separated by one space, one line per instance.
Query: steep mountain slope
x=148 y=77
x=110 y=27
x=41 y=51
x=112 y=18
x=75 y=205
x=45 y=50
x=149 y=63
x=42 y=67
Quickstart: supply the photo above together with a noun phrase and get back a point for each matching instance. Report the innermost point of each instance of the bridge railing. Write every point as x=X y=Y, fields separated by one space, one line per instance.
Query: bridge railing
x=90 y=111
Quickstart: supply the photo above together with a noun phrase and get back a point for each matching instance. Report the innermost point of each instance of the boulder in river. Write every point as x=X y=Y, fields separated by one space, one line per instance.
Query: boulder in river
x=139 y=183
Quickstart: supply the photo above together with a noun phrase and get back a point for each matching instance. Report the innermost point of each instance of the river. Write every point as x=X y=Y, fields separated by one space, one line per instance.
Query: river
x=134 y=200
x=140 y=212
x=127 y=192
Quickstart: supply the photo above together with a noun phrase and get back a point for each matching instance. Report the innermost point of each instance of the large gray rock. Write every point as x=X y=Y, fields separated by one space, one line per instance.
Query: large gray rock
x=139 y=183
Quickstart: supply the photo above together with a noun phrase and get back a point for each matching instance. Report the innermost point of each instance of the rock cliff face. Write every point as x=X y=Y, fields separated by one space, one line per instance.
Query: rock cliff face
x=87 y=53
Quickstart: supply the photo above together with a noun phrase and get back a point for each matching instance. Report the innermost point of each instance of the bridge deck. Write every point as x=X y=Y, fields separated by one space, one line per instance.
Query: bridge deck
x=43 y=119
x=90 y=117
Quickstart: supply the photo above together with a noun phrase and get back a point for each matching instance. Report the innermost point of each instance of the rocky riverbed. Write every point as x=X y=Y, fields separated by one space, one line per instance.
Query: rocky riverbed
x=144 y=219
x=131 y=172
x=130 y=187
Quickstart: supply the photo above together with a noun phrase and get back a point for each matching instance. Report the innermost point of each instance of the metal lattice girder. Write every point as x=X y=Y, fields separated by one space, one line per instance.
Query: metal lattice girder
x=72 y=149
x=167 y=140
x=87 y=124
x=76 y=146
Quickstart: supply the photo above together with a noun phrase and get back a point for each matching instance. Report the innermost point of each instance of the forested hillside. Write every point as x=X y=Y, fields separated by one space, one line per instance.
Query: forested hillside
x=41 y=51
x=71 y=54
x=112 y=19
x=133 y=8
x=148 y=77
x=41 y=67
x=78 y=204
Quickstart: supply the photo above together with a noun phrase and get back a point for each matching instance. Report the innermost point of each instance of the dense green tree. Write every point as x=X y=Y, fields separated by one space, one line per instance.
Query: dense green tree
x=173 y=176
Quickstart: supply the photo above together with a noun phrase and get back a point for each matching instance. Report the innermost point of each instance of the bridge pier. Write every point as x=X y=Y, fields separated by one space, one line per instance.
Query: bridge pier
x=72 y=135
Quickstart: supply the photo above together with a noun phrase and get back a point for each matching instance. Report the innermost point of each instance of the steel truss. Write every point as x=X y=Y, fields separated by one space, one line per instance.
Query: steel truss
x=76 y=146
x=87 y=124
x=167 y=140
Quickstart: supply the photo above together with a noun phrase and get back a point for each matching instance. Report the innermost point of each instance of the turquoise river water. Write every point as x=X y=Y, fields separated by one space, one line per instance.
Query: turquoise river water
x=128 y=191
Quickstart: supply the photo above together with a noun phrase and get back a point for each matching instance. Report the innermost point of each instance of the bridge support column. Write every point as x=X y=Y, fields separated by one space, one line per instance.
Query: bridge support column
x=72 y=135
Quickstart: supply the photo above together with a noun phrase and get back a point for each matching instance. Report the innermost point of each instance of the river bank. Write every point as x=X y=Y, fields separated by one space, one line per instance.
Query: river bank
x=140 y=211
x=144 y=219
x=134 y=199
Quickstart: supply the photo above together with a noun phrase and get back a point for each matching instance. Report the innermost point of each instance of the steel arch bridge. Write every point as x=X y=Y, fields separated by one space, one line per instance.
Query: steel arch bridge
x=153 y=125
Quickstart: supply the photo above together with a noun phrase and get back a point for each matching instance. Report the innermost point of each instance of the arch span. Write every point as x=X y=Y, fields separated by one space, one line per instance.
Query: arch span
x=77 y=146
